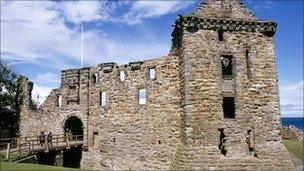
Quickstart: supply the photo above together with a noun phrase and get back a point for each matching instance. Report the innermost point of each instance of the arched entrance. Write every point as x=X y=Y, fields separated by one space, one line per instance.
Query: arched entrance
x=72 y=156
x=74 y=125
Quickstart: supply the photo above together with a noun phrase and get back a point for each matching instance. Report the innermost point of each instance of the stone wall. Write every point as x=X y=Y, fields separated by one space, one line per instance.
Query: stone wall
x=133 y=136
x=292 y=133
x=182 y=124
x=252 y=139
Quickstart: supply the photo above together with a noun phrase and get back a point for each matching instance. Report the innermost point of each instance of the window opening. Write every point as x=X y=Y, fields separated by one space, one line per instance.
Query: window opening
x=222 y=142
x=248 y=64
x=228 y=107
x=152 y=73
x=226 y=65
x=59 y=101
x=95 y=78
x=142 y=97
x=103 y=98
x=122 y=75
x=220 y=35
x=95 y=139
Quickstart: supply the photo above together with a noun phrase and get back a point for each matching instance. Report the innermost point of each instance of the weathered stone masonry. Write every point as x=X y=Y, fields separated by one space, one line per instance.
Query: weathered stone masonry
x=213 y=104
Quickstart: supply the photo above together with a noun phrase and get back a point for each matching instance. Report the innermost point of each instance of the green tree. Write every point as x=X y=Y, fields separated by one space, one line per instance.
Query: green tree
x=8 y=103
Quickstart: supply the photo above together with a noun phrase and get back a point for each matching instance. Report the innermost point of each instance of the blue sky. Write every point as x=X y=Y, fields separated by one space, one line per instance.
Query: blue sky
x=39 y=39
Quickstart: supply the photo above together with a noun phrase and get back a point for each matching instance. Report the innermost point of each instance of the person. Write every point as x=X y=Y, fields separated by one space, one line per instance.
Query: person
x=68 y=134
x=43 y=137
x=40 y=137
x=49 y=138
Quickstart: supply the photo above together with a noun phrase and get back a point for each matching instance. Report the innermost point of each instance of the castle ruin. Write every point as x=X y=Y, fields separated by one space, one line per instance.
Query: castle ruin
x=211 y=104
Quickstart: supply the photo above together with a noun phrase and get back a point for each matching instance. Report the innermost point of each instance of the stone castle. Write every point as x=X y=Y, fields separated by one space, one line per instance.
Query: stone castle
x=211 y=104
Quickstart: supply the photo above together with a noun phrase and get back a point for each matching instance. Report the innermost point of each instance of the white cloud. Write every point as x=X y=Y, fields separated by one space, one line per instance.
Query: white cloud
x=43 y=84
x=150 y=9
x=262 y=5
x=38 y=32
x=39 y=93
x=86 y=11
x=31 y=32
x=291 y=98
x=47 y=78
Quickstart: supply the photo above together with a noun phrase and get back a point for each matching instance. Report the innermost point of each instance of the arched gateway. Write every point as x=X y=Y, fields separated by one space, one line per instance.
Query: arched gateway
x=72 y=156
x=73 y=124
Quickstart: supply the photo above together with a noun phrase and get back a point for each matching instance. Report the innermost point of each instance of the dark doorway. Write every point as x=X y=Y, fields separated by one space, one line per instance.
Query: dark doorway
x=228 y=107
x=75 y=125
x=46 y=158
x=72 y=156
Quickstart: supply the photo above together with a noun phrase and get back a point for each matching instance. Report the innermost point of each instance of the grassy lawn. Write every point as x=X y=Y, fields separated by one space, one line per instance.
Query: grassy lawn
x=8 y=166
x=13 y=156
x=296 y=147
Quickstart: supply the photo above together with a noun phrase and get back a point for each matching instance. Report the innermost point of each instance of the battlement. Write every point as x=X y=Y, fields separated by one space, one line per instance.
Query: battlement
x=193 y=24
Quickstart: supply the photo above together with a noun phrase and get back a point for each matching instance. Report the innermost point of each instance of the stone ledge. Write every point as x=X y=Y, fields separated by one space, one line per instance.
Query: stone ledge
x=193 y=24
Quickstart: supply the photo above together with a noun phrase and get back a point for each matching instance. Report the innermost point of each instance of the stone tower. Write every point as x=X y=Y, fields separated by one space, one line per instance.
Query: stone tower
x=24 y=93
x=230 y=101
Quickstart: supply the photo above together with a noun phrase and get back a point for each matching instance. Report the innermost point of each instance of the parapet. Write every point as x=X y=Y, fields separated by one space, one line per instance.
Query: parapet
x=107 y=67
x=193 y=24
x=135 y=65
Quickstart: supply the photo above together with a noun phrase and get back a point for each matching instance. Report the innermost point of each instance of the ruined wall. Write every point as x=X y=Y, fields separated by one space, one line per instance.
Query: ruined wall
x=292 y=133
x=50 y=117
x=223 y=9
x=250 y=140
x=130 y=135
x=133 y=136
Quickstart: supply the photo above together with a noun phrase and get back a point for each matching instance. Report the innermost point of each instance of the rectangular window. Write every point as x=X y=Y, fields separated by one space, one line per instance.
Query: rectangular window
x=122 y=75
x=95 y=78
x=152 y=73
x=95 y=142
x=103 y=98
x=226 y=61
x=220 y=35
x=248 y=64
x=142 y=97
x=228 y=107
x=58 y=100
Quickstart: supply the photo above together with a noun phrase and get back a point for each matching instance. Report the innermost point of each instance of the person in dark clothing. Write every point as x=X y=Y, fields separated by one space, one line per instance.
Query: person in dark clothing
x=43 y=137
x=40 y=137
x=49 y=138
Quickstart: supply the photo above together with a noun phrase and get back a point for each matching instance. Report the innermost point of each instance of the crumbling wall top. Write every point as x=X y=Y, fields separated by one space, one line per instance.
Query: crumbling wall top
x=228 y=9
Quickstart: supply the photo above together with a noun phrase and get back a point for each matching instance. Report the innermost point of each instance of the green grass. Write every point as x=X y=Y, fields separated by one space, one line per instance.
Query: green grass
x=8 y=166
x=2 y=157
x=296 y=147
x=13 y=156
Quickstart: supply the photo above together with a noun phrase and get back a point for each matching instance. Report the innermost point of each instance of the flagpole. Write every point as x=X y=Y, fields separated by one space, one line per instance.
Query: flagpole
x=82 y=48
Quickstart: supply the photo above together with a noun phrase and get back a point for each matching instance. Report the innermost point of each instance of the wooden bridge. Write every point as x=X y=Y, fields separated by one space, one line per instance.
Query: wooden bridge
x=16 y=148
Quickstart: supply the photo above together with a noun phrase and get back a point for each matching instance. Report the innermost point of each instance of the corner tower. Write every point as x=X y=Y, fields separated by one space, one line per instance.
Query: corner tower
x=231 y=112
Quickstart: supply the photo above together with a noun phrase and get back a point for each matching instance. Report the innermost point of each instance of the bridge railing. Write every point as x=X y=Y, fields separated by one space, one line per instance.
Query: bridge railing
x=15 y=148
